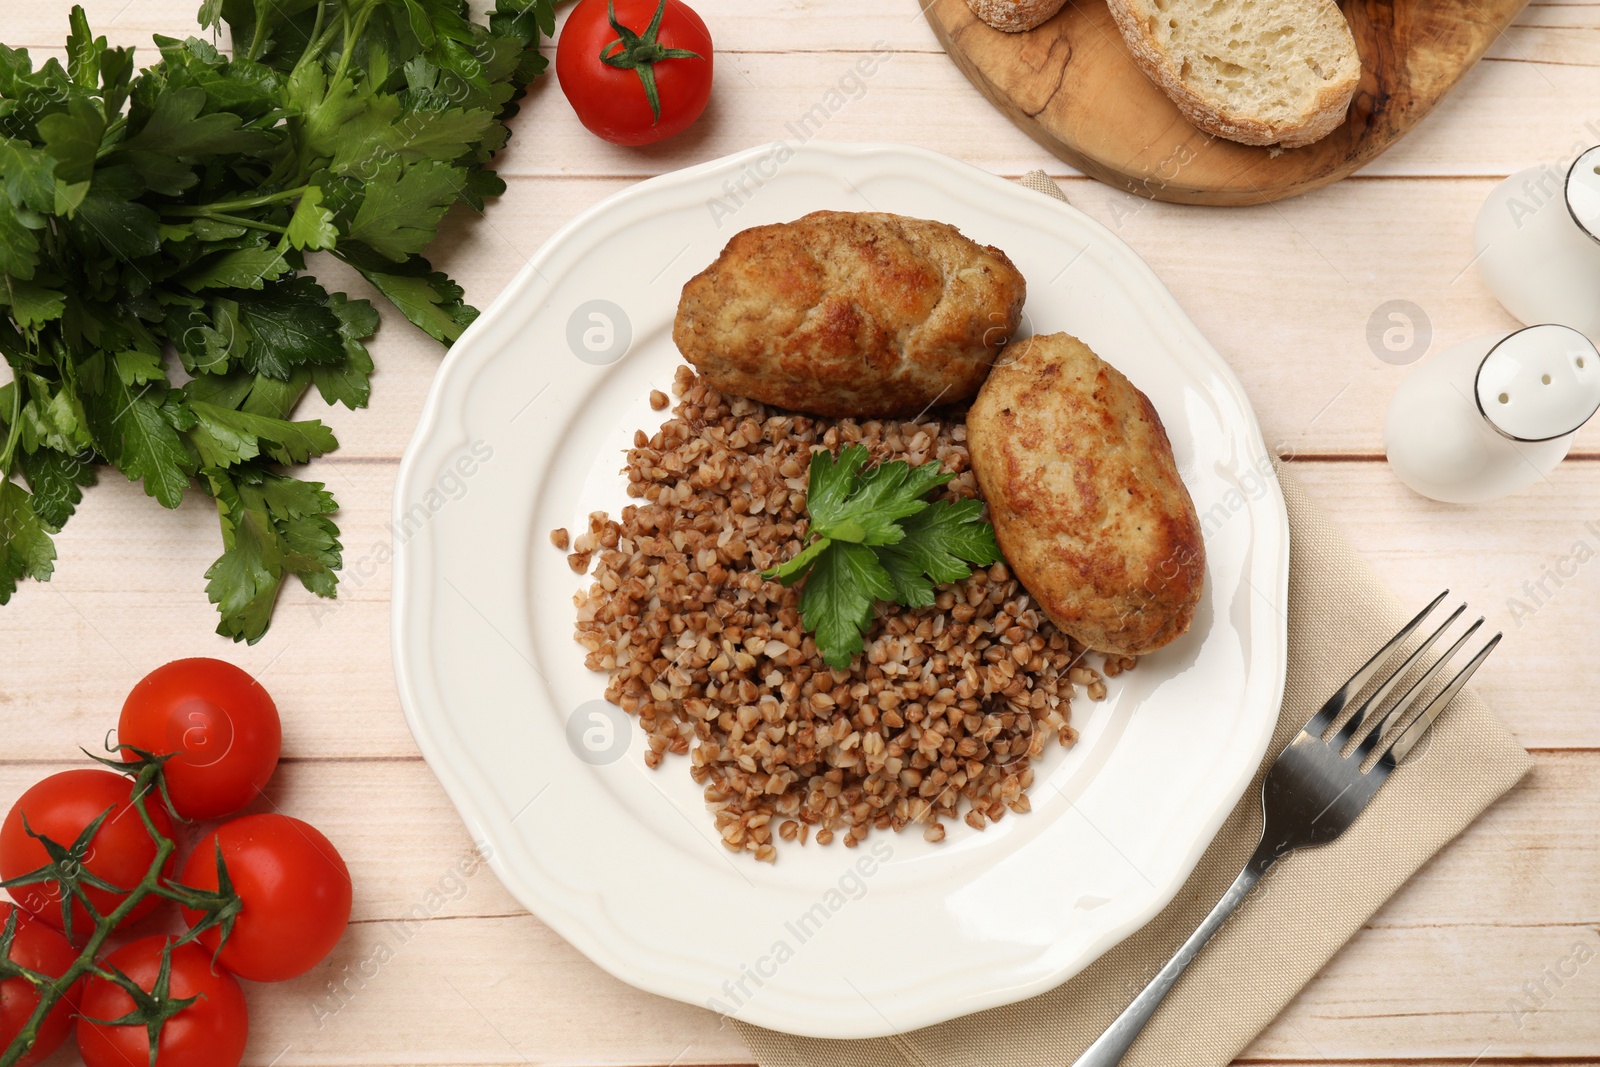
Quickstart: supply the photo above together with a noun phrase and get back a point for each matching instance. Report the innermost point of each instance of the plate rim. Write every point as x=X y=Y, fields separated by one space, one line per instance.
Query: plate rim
x=770 y=1011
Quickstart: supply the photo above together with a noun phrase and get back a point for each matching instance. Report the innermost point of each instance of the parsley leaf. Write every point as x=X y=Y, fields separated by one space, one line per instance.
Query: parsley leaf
x=32 y=305
x=829 y=483
x=883 y=495
x=428 y=298
x=29 y=175
x=72 y=139
x=175 y=136
x=136 y=426
x=941 y=545
x=311 y=227
x=171 y=209
x=224 y=437
x=241 y=268
x=289 y=325
x=129 y=230
x=19 y=248
x=841 y=588
x=25 y=546
x=272 y=526
x=57 y=480
x=401 y=210
x=348 y=383
x=876 y=536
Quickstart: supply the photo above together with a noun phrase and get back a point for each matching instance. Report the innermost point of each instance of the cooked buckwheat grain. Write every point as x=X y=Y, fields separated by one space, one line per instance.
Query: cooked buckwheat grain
x=937 y=720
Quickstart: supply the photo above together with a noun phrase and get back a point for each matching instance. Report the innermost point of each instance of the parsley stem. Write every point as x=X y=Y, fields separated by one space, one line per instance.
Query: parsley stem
x=238 y=220
x=239 y=205
x=13 y=428
x=109 y=142
x=259 y=34
x=315 y=40
x=351 y=34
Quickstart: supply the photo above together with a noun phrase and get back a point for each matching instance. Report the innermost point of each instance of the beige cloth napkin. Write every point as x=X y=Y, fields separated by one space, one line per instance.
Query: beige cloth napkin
x=1309 y=905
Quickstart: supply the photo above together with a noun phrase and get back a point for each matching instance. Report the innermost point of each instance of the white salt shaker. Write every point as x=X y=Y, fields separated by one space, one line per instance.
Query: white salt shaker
x=1538 y=244
x=1493 y=415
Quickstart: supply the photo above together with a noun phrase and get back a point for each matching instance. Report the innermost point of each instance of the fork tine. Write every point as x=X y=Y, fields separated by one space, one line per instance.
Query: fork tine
x=1414 y=733
x=1336 y=703
x=1403 y=706
x=1371 y=710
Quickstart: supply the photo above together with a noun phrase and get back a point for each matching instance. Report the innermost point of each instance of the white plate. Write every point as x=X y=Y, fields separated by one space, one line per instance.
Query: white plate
x=521 y=435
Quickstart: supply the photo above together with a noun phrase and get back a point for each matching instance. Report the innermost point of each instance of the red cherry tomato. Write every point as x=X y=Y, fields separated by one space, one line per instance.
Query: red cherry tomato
x=612 y=101
x=293 y=887
x=61 y=807
x=211 y=1032
x=220 y=722
x=42 y=949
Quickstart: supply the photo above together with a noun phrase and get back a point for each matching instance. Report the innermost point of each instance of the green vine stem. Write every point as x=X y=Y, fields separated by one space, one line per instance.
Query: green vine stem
x=220 y=907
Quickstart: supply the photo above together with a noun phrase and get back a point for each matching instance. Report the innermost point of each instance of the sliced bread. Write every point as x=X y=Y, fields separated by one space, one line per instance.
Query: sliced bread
x=1015 y=16
x=1256 y=71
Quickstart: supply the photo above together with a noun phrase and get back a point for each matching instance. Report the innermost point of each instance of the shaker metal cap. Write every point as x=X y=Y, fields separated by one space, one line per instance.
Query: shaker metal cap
x=1583 y=192
x=1540 y=383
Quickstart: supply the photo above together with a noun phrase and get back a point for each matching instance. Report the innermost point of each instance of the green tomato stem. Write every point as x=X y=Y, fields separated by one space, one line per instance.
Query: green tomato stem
x=640 y=52
x=85 y=965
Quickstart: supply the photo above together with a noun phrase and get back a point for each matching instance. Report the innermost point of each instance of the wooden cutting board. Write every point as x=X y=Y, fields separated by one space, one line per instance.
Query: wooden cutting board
x=1073 y=86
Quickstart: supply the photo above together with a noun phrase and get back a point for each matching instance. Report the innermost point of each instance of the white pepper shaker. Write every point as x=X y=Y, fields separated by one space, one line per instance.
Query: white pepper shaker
x=1493 y=415
x=1537 y=244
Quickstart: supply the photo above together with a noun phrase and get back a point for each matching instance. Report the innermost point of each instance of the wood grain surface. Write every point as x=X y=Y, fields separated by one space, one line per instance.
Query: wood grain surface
x=442 y=967
x=1074 y=87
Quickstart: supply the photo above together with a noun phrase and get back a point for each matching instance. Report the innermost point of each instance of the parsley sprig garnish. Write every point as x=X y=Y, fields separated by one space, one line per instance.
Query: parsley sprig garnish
x=876 y=536
x=155 y=303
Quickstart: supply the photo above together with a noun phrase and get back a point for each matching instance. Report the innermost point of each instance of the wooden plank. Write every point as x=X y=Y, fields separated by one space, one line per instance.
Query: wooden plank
x=778 y=26
x=1298 y=299
x=1515 y=562
x=129 y=594
x=1439 y=974
x=1295 y=317
x=796 y=71
x=442 y=966
x=1308 y=336
x=1303 y=318
x=1431 y=1061
x=1527 y=864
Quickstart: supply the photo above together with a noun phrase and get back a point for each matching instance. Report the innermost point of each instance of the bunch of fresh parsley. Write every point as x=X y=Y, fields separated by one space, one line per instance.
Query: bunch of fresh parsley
x=876 y=536
x=161 y=218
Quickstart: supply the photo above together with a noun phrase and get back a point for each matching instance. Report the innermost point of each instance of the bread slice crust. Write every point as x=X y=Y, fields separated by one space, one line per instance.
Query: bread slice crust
x=1320 y=116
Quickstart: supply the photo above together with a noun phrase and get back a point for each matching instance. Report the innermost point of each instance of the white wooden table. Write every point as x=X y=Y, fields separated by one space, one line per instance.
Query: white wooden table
x=1473 y=963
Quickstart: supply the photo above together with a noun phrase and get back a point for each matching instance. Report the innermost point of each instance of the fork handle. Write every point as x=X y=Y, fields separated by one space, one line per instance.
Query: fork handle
x=1111 y=1046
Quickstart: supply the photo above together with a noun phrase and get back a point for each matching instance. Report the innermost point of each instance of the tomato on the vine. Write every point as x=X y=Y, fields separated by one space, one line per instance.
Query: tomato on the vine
x=61 y=808
x=293 y=889
x=43 y=950
x=211 y=1032
x=635 y=71
x=220 y=722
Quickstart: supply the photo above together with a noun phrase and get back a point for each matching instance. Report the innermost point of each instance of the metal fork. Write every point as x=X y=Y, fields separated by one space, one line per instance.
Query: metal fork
x=1314 y=791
